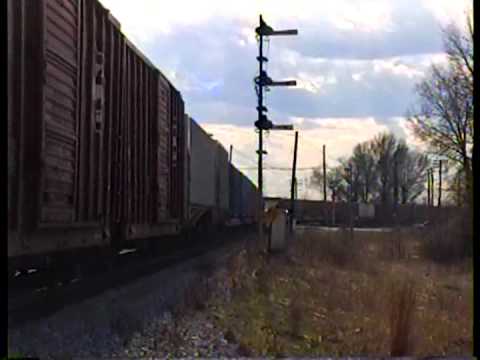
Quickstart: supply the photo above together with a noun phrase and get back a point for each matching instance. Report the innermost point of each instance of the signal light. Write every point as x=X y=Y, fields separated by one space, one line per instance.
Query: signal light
x=263 y=123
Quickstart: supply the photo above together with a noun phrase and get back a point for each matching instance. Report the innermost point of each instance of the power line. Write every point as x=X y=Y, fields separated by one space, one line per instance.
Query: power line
x=308 y=140
x=243 y=155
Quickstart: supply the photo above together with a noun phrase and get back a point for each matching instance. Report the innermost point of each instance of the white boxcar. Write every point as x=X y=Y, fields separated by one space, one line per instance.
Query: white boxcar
x=202 y=167
x=222 y=184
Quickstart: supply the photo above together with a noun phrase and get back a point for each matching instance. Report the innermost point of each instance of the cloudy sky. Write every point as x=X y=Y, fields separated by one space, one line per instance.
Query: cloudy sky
x=355 y=62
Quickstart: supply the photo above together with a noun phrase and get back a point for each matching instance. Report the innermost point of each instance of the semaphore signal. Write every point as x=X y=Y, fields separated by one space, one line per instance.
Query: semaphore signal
x=263 y=123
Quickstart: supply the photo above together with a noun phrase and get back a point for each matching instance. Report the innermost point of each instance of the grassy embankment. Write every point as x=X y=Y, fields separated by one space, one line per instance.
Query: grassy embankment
x=407 y=292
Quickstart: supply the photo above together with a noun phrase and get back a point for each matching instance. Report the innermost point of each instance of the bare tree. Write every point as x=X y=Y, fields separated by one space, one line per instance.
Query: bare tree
x=317 y=178
x=412 y=173
x=383 y=148
x=455 y=188
x=383 y=169
x=336 y=180
x=337 y=184
x=444 y=118
x=365 y=169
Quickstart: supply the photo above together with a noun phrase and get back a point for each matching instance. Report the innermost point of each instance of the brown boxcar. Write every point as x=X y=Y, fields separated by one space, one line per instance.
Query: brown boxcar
x=47 y=136
x=177 y=161
x=136 y=112
x=90 y=128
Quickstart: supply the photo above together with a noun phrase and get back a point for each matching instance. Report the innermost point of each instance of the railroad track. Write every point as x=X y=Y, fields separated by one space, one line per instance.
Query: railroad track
x=41 y=300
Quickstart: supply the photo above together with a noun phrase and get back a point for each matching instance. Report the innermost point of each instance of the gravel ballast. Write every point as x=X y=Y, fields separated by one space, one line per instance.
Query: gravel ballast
x=141 y=319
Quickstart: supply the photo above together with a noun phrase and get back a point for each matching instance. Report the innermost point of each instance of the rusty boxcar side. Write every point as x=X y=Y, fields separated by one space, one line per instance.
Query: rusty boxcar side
x=137 y=107
x=47 y=137
x=177 y=155
x=90 y=128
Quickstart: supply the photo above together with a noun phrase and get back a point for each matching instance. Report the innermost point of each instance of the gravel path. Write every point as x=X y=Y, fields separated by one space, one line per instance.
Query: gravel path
x=138 y=320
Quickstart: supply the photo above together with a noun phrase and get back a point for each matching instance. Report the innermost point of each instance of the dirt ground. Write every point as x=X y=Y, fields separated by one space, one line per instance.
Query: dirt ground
x=342 y=294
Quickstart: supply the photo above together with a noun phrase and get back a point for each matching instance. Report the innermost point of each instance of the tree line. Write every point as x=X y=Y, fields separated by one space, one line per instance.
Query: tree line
x=381 y=170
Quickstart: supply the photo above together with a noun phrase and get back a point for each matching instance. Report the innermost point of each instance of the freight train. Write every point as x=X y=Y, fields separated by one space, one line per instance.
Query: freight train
x=100 y=150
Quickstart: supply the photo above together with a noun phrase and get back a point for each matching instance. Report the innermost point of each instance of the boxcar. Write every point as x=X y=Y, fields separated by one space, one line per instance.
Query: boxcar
x=250 y=200
x=52 y=132
x=100 y=150
x=235 y=194
x=209 y=178
x=202 y=168
x=95 y=132
x=222 y=185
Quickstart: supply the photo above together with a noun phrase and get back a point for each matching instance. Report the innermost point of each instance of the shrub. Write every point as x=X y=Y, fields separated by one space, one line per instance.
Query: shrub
x=448 y=242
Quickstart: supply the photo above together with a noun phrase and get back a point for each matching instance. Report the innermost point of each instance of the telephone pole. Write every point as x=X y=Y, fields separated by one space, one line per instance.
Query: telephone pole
x=439 y=184
x=395 y=183
x=324 y=175
x=432 y=188
x=292 y=189
x=428 y=187
x=349 y=171
x=261 y=81
x=230 y=154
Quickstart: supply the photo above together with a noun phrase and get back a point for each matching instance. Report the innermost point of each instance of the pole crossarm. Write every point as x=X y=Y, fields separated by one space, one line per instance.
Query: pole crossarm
x=266 y=30
x=282 y=127
x=265 y=80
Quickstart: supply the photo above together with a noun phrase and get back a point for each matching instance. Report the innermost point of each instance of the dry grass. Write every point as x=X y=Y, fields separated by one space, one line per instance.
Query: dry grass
x=296 y=317
x=447 y=242
x=339 y=249
x=334 y=294
x=402 y=308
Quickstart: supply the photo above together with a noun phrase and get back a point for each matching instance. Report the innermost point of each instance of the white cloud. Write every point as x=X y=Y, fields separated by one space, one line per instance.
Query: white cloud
x=396 y=67
x=448 y=11
x=409 y=136
x=145 y=19
x=437 y=59
x=314 y=83
x=367 y=16
x=358 y=76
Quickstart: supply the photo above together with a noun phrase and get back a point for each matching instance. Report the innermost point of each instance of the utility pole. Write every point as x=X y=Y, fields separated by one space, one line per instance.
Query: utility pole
x=324 y=176
x=440 y=184
x=395 y=183
x=230 y=154
x=428 y=187
x=261 y=81
x=349 y=171
x=432 y=188
x=292 y=190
